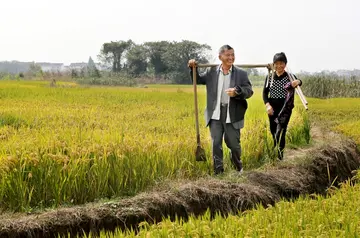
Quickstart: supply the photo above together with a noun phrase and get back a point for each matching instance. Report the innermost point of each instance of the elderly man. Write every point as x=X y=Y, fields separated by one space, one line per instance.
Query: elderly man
x=227 y=89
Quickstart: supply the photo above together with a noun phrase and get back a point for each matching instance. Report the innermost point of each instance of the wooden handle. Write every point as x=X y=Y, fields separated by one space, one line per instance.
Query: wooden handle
x=299 y=92
x=196 y=107
x=238 y=65
x=302 y=98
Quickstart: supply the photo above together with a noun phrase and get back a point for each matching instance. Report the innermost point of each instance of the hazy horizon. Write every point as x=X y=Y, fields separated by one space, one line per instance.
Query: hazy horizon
x=315 y=35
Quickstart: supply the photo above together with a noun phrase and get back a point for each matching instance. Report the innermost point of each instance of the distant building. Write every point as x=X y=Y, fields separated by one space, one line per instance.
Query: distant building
x=15 y=67
x=78 y=66
x=101 y=67
x=50 y=67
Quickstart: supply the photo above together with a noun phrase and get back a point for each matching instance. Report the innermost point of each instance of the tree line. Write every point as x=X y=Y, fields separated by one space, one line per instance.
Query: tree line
x=158 y=59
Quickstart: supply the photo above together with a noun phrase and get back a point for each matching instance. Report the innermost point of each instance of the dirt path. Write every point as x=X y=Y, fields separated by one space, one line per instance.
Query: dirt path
x=319 y=137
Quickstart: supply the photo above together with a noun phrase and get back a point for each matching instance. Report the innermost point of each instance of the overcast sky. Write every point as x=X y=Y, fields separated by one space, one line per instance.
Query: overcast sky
x=315 y=35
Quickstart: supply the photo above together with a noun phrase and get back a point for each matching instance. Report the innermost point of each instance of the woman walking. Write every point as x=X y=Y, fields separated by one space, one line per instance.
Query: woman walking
x=278 y=96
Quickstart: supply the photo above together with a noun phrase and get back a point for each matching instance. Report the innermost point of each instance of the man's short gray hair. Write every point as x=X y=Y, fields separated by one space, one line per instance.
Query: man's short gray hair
x=224 y=47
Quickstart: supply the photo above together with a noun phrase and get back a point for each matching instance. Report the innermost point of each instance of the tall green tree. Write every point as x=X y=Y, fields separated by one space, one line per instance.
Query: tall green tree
x=178 y=55
x=92 y=70
x=113 y=53
x=156 y=53
x=137 y=60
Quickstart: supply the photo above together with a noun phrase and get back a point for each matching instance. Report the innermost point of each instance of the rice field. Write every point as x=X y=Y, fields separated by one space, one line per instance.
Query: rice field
x=71 y=144
x=335 y=215
x=340 y=114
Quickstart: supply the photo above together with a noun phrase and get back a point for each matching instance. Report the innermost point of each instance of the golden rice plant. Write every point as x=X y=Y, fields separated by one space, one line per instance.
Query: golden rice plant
x=69 y=144
x=316 y=216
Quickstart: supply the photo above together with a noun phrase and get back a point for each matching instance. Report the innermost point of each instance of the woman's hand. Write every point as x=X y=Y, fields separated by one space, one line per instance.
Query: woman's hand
x=269 y=109
x=295 y=83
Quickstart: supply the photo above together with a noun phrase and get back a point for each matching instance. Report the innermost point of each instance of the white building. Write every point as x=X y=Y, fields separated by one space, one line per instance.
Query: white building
x=51 y=67
x=78 y=66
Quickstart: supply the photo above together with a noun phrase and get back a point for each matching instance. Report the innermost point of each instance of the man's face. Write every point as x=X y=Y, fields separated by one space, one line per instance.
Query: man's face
x=227 y=57
x=279 y=66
